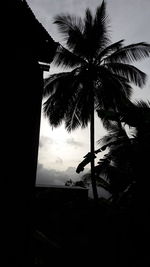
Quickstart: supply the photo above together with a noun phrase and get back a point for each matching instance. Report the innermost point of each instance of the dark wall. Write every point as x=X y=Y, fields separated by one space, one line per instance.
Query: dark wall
x=21 y=89
x=21 y=85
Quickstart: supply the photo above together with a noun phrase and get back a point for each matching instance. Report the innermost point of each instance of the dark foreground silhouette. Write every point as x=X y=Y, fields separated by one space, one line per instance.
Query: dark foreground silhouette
x=24 y=42
x=74 y=227
x=32 y=234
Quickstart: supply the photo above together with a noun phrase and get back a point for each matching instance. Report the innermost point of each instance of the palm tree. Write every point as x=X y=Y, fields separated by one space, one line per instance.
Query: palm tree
x=99 y=75
x=113 y=172
x=126 y=161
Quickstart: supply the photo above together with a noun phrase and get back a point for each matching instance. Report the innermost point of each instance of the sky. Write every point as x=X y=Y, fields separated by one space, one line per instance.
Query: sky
x=60 y=152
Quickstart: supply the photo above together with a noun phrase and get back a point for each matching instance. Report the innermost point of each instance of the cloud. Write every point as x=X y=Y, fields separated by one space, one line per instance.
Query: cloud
x=54 y=177
x=59 y=161
x=44 y=141
x=71 y=173
x=71 y=141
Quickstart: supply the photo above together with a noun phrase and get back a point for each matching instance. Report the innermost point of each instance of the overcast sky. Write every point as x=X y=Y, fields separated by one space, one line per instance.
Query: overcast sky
x=129 y=20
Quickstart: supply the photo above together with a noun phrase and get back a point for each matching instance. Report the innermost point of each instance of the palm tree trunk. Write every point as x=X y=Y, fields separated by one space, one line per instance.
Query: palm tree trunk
x=119 y=124
x=92 y=139
x=118 y=120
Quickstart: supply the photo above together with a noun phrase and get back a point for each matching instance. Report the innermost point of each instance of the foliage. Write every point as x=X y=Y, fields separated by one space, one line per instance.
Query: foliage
x=99 y=77
x=119 y=171
x=77 y=183
x=96 y=67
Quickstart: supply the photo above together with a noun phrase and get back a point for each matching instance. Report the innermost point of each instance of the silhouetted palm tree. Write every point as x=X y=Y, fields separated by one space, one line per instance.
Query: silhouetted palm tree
x=99 y=77
x=127 y=159
x=116 y=166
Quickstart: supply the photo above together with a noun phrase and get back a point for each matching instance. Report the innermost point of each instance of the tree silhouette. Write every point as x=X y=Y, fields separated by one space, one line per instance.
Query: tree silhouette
x=126 y=158
x=99 y=76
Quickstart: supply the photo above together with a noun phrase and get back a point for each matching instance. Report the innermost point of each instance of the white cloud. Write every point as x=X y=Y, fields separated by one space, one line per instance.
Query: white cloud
x=59 y=160
x=71 y=141
x=44 y=141
x=55 y=177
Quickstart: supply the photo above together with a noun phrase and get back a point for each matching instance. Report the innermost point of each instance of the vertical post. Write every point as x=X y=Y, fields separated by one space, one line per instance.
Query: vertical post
x=92 y=141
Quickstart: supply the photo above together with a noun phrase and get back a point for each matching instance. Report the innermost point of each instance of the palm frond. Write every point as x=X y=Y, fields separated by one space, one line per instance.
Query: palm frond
x=108 y=114
x=130 y=53
x=78 y=113
x=86 y=178
x=76 y=43
x=88 y=23
x=104 y=184
x=102 y=167
x=50 y=83
x=142 y=113
x=72 y=117
x=115 y=135
x=72 y=29
x=72 y=121
x=88 y=33
x=67 y=59
x=95 y=31
x=137 y=115
x=106 y=139
x=109 y=50
x=100 y=28
x=63 y=93
x=112 y=90
x=142 y=104
x=125 y=90
x=67 y=23
x=131 y=73
x=53 y=111
x=67 y=92
x=109 y=118
x=108 y=124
